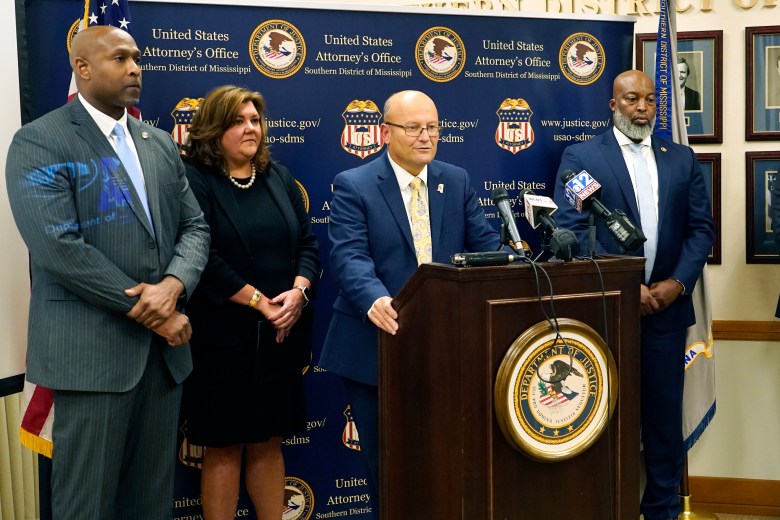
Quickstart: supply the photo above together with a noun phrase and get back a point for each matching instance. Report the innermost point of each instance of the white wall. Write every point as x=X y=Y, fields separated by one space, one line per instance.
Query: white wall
x=14 y=281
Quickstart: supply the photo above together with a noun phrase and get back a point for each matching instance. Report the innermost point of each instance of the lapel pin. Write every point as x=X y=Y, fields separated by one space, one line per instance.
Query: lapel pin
x=144 y=135
x=440 y=188
x=663 y=148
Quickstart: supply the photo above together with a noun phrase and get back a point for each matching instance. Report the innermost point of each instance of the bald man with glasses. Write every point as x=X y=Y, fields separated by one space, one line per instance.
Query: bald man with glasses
x=387 y=217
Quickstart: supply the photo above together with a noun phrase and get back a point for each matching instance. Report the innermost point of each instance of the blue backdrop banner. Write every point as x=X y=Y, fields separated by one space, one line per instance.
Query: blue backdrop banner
x=512 y=91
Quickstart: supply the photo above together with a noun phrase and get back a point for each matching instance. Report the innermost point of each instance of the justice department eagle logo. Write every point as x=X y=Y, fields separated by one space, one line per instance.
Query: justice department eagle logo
x=514 y=132
x=182 y=116
x=298 y=499
x=555 y=390
x=440 y=54
x=362 y=135
x=277 y=49
x=582 y=58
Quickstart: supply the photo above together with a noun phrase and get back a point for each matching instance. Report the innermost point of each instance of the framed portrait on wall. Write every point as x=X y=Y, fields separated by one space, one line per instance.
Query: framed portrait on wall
x=710 y=167
x=762 y=173
x=700 y=73
x=762 y=110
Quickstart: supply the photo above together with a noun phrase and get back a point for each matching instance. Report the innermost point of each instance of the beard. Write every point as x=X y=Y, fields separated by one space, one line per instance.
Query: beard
x=631 y=130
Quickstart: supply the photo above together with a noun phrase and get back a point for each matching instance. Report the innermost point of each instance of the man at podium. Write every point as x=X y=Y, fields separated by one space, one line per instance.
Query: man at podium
x=387 y=217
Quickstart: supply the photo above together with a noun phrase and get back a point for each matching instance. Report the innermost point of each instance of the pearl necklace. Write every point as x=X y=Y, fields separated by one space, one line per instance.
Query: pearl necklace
x=246 y=186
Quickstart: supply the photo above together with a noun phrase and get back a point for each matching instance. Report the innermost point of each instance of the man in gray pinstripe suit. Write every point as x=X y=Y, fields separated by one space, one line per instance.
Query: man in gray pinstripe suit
x=105 y=330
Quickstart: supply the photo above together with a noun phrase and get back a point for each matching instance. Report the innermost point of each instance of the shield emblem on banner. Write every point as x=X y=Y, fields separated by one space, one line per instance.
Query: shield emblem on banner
x=362 y=135
x=514 y=132
x=350 y=436
x=182 y=117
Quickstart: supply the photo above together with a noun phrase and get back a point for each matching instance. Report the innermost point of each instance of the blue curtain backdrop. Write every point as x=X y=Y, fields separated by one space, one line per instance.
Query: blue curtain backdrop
x=512 y=92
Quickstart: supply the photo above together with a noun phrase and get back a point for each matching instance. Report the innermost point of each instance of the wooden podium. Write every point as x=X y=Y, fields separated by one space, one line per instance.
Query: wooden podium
x=442 y=452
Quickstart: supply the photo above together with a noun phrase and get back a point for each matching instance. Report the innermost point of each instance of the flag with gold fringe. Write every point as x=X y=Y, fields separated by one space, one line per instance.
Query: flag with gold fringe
x=699 y=355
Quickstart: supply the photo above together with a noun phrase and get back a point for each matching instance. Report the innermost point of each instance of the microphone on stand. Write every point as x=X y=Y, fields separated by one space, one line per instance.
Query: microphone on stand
x=501 y=201
x=582 y=192
x=559 y=241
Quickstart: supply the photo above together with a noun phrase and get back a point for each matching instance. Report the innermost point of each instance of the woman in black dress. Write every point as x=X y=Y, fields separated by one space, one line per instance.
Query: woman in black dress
x=251 y=328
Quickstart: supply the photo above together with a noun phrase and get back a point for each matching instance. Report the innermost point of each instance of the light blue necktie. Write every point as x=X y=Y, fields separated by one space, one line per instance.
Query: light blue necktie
x=130 y=162
x=647 y=207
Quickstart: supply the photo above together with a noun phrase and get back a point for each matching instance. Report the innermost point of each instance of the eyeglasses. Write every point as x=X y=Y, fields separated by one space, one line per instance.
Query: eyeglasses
x=417 y=130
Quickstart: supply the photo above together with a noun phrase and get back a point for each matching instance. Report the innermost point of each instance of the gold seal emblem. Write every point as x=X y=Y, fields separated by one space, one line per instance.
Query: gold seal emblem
x=582 y=58
x=440 y=54
x=555 y=391
x=277 y=49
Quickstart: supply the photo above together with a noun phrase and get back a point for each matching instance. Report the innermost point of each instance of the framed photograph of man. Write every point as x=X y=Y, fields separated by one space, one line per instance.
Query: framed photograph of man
x=763 y=171
x=762 y=111
x=699 y=71
x=710 y=167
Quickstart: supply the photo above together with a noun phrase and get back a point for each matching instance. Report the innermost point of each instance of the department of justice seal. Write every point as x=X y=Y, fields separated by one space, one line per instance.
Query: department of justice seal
x=582 y=58
x=277 y=49
x=298 y=499
x=440 y=54
x=555 y=393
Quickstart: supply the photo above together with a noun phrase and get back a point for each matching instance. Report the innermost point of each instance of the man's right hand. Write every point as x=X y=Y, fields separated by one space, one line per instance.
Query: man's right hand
x=383 y=315
x=176 y=330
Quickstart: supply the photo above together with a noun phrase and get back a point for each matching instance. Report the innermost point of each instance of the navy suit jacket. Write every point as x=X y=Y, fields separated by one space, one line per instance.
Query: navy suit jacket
x=685 y=229
x=373 y=252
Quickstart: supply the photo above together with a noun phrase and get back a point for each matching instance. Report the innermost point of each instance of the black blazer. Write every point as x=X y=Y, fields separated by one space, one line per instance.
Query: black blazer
x=216 y=321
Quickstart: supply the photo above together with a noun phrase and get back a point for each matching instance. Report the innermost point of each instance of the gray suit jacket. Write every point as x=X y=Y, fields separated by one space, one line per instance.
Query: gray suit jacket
x=89 y=240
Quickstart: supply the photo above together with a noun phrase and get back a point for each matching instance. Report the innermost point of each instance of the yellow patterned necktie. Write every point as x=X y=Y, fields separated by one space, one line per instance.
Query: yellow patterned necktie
x=421 y=224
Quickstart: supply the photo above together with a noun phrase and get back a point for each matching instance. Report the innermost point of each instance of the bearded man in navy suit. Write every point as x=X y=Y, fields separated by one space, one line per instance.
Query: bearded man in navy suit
x=374 y=254
x=117 y=241
x=683 y=235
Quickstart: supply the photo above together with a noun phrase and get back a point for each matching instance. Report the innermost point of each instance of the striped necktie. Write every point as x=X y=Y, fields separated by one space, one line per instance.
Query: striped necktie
x=131 y=164
x=647 y=207
x=421 y=224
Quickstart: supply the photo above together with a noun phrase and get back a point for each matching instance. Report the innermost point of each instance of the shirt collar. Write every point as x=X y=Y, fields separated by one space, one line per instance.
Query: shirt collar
x=104 y=122
x=404 y=177
x=624 y=140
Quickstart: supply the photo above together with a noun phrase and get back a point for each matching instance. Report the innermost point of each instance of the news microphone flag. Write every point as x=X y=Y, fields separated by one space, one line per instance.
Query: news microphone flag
x=699 y=355
x=35 y=431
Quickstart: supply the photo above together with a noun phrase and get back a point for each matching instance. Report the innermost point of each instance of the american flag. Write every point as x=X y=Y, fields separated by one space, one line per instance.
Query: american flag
x=35 y=431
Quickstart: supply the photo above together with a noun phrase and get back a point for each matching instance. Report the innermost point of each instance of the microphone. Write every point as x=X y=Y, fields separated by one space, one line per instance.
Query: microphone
x=501 y=201
x=582 y=191
x=561 y=242
x=483 y=259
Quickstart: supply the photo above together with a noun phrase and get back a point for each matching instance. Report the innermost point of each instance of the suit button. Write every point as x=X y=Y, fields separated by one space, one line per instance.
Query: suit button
x=152 y=245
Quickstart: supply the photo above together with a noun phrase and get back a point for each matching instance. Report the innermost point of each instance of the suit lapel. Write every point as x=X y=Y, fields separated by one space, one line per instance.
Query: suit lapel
x=388 y=185
x=142 y=143
x=87 y=129
x=225 y=196
x=273 y=182
x=435 y=204
x=664 y=177
x=617 y=164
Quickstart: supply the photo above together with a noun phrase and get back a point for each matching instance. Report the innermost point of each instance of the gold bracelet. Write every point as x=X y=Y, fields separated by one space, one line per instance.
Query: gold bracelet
x=255 y=298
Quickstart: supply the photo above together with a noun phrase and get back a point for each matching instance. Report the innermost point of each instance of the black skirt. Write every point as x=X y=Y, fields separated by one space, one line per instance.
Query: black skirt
x=225 y=403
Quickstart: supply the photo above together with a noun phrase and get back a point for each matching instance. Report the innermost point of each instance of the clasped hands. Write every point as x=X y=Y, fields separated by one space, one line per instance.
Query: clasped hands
x=658 y=296
x=282 y=311
x=156 y=310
